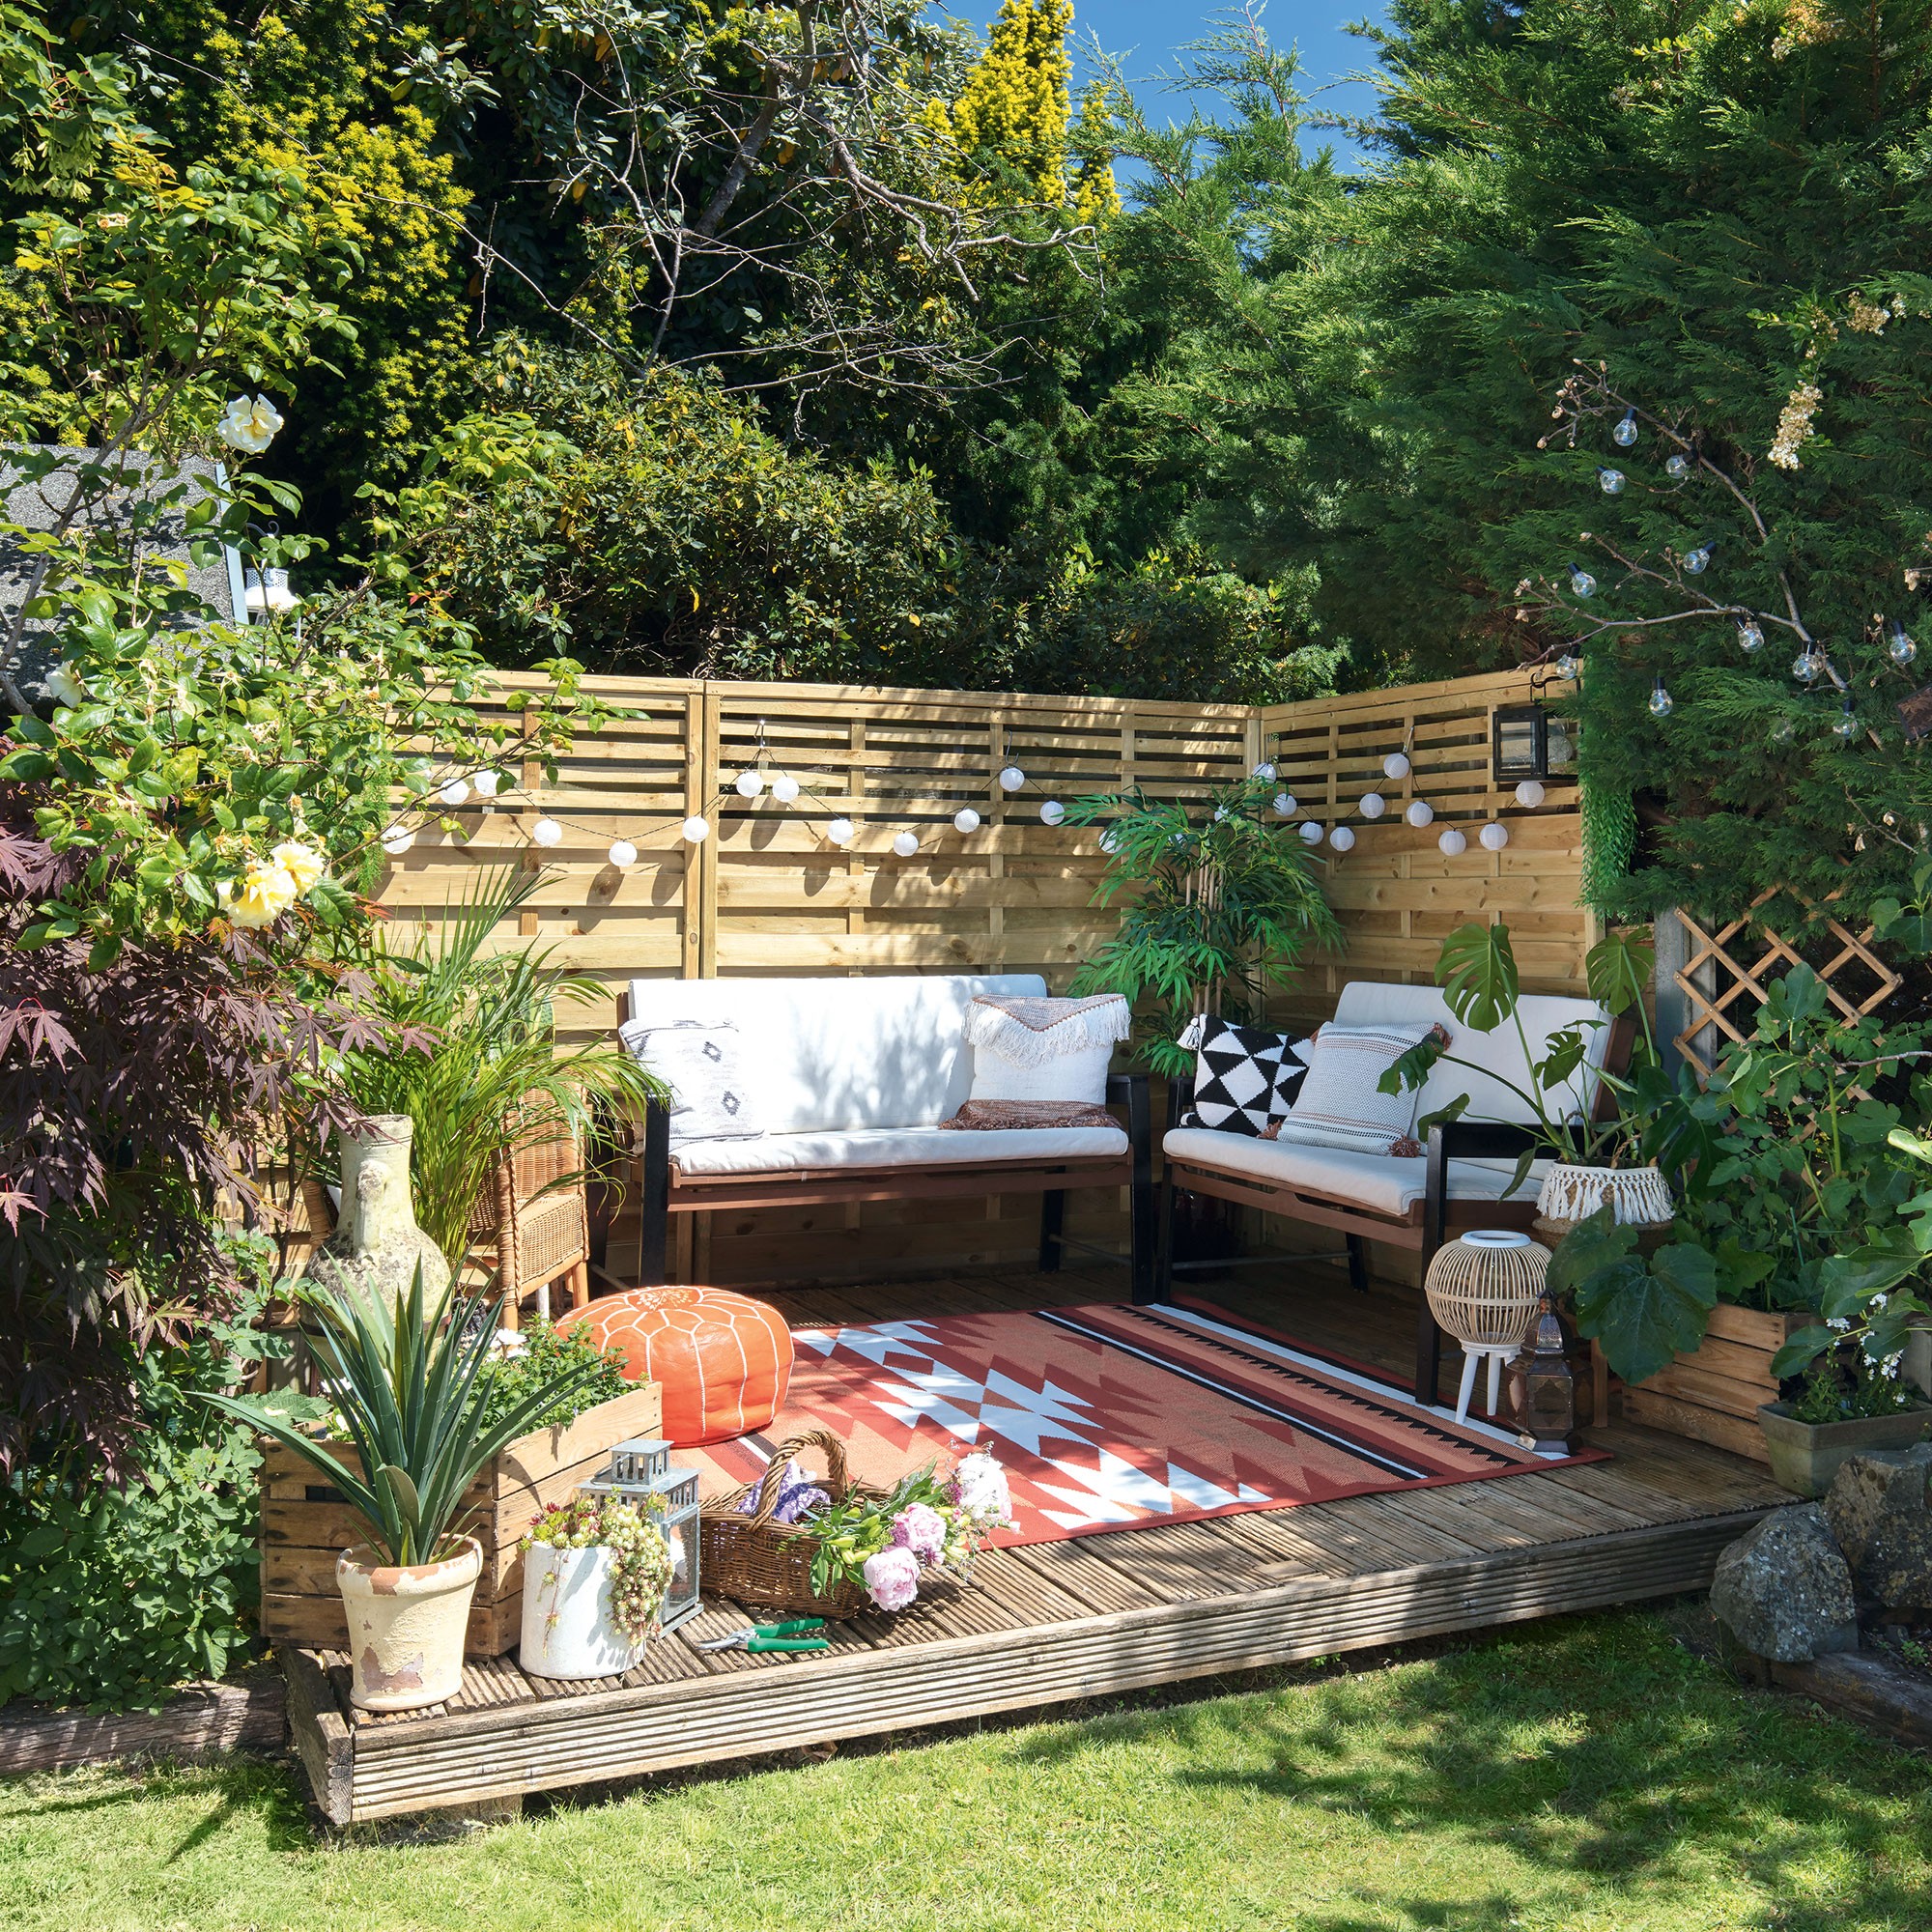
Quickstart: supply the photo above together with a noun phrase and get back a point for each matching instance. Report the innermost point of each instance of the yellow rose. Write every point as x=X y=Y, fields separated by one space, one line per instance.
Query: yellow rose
x=303 y=864
x=267 y=893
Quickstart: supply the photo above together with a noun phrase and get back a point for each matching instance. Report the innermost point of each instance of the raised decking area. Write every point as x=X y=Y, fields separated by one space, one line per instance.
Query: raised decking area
x=1050 y=1622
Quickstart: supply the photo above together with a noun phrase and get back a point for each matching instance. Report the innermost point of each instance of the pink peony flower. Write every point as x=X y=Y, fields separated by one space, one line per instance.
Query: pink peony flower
x=891 y=1577
x=921 y=1529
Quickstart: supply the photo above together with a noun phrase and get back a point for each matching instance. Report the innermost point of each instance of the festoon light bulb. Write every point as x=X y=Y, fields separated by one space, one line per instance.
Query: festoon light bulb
x=1310 y=833
x=1569 y=667
x=1011 y=779
x=1395 y=765
x=1581 y=582
x=1343 y=838
x=1530 y=794
x=965 y=819
x=1697 y=559
x=1661 y=704
x=1845 y=726
x=1611 y=481
x=1750 y=636
x=695 y=829
x=905 y=843
x=784 y=788
x=1677 y=467
x=1494 y=836
x=748 y=783
x=1420 y=814
x=1625 y=433
x=1901 y=650
x=1052 y=813
x=1809 y=666
x=547 y=831
x=623 y=854
x=1452 y=844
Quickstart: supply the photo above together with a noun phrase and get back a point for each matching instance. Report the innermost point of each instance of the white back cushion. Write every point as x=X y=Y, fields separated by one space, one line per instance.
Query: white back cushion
x=839 y=1055
x=1373 y=1002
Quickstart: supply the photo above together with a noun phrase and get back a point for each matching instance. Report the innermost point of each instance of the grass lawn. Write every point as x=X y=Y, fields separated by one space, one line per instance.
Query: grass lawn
x=1581 y=1774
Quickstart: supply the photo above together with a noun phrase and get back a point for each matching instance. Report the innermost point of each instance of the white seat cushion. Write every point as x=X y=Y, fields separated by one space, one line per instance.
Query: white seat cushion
x=895 y=1147
x=1382 y=1184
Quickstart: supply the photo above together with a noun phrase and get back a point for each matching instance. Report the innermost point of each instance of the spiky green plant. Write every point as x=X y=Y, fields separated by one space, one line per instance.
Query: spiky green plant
x=494 y=1067
x=1221 y=909
x=413 y=1387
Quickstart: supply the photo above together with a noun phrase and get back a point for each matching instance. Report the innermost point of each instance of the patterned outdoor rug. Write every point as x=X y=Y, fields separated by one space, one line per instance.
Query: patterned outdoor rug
x=1116 y=1417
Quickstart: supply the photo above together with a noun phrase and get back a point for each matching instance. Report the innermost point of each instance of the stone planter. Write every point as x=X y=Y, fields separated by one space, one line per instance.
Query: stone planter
x=306 y=1524
x=567 y=1626
x=1804 y=1456
x=377 y=1247
x=404 y=1625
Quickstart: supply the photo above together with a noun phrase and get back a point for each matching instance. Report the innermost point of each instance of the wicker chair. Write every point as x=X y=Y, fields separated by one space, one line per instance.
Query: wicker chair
x=538 y=1230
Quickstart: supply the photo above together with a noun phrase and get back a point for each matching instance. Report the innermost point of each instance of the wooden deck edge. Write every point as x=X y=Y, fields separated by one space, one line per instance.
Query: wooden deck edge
x=504 y=1751
x=244 y=1712
x=320 y=1734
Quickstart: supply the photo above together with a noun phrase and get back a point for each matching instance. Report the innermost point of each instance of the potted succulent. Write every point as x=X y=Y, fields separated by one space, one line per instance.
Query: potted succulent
x=595 y=1573
x=411 y=1388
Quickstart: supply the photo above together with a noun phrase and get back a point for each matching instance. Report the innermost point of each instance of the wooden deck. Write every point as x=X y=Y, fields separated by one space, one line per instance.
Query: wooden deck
x=1052 y=1622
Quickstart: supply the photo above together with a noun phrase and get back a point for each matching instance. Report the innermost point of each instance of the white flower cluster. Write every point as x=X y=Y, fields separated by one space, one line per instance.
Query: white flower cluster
x=1794 y=426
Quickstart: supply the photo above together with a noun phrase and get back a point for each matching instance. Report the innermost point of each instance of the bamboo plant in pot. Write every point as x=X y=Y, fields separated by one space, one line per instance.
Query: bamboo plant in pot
x=411 y=1384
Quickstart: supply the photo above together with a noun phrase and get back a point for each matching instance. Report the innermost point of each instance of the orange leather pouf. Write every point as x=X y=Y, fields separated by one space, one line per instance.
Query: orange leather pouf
x=723 y=1360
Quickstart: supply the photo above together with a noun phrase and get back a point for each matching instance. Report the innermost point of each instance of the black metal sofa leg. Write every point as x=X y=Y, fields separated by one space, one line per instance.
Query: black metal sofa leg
x=654 y=1198
x=1359 y=1263
x=1052 y=1219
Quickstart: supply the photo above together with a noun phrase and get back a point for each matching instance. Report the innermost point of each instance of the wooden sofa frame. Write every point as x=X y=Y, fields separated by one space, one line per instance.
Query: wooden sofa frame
x=1424 y=1228
x=663 y=1193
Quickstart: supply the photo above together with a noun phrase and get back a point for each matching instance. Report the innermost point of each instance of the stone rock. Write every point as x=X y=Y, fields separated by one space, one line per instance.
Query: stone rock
x=1784 y=1591
x=1880 y=1513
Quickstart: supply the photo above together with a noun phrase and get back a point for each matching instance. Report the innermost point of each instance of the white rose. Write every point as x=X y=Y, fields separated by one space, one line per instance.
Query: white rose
x=303 y=864
x=64 y=687
x=249 y=426
x=980 y=1485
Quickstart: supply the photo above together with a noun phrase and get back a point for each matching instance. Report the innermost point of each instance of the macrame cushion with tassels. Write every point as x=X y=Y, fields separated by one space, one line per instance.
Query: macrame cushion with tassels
x=1045 y=1049
x=1245 y=1078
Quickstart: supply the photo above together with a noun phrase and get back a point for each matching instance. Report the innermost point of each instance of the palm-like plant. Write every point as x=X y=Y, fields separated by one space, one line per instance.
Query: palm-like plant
x=1223 y=909
x=413 y=1387
x=491 y=1070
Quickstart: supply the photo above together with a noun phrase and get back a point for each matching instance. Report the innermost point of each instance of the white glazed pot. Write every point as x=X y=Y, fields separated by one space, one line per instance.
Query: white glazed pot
x=568 y=1630
x=1639 y=1196
x=407 y=1625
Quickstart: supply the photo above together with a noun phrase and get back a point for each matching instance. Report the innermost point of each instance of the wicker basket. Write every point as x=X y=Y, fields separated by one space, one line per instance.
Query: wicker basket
x=767 y=1565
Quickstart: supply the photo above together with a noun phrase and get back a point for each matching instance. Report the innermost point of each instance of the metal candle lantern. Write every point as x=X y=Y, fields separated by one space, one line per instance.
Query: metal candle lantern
x=1543 y=1391
x=1528 y=741
x=640 y=1473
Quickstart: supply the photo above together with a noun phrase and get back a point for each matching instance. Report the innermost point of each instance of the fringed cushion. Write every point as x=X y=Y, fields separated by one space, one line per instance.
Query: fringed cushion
x=1027 y=1048
x=994 y=1116
x=1244 y=1077
x=1341 y=1103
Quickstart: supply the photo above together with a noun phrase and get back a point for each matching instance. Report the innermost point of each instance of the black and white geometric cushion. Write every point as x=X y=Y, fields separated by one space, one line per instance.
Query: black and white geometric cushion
x=1244 y=1077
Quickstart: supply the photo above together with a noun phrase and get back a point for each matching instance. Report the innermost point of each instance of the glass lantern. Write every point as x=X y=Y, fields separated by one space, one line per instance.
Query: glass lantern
x=1528 y=741
x=1543 y=1390
x=640 y=1473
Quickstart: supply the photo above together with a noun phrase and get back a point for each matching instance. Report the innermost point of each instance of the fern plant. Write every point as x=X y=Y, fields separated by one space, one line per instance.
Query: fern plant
x=1216 y=911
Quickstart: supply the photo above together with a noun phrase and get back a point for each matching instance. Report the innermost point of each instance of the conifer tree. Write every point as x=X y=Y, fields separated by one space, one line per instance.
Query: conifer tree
x=1012 y=114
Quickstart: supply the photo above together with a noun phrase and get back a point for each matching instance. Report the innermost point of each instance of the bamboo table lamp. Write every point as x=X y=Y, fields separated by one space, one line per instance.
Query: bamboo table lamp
x=1483 y=1289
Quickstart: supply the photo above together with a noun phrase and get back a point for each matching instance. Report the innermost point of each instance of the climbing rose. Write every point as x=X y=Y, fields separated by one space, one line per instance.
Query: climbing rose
x=891 y=1577
x=921 y=1529
x=303 y=864
x=249 y=426
x=267 y=893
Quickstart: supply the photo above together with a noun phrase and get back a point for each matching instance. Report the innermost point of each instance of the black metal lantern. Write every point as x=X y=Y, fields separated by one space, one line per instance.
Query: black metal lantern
x=1526 y=741
x=1542 y=1389
x=640 y=1473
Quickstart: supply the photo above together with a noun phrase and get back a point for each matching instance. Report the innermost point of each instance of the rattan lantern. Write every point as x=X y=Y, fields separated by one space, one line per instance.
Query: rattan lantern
x=1483 y=1289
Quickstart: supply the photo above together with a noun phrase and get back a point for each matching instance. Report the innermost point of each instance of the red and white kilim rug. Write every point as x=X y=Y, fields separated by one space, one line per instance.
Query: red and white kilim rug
x=1117 y=1418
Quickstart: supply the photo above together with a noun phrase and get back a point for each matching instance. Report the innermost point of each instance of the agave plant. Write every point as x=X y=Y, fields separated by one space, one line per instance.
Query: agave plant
x=413 y=1387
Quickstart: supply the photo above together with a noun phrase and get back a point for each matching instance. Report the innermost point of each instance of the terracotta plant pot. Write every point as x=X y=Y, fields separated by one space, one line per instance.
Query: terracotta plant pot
x=406 y=1626
x=1804 y=1456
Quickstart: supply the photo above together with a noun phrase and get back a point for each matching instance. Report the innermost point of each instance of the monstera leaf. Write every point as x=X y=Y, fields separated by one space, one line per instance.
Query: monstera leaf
x=1644 y=1312
x=1617 y=970
x=1478 y=977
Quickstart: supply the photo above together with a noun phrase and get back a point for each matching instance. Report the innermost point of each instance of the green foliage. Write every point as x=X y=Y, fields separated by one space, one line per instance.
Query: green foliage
x=109 y=1596
x=1216 y=912
x=1644 y=1310
x=545 y=1359
x=413 y=1387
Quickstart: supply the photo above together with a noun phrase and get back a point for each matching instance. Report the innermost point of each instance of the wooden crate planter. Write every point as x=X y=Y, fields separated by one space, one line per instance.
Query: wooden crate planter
x=1714 y=1394
x=305 y=1524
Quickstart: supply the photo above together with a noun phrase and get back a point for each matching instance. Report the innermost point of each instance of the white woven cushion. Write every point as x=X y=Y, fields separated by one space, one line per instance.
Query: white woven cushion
x=712 y=1096
x=1041 y=1049
x=1340 y=1104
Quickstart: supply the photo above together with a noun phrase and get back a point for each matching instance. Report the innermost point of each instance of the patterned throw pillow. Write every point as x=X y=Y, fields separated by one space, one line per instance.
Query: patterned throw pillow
x=1341 y=1103
x=702 y=1065
x=1243 y=1076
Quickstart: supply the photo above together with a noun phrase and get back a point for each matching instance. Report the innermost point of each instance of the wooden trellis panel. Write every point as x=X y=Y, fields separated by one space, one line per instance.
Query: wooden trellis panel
x=1732 y=970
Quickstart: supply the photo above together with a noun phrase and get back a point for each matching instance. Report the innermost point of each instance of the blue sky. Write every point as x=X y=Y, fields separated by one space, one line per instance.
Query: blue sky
x=1146 y=32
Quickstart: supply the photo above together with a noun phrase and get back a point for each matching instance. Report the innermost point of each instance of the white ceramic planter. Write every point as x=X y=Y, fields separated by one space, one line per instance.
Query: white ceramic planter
x=567 y=1627
x=406 y=1626
x=1641 y=1196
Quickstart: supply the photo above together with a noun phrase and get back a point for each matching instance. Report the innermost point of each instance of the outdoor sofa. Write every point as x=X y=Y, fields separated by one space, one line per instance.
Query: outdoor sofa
x=1460 y=1180
x=851 y=1080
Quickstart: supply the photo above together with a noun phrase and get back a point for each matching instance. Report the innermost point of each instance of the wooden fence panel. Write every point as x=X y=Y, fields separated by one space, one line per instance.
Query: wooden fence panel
x=767 y=894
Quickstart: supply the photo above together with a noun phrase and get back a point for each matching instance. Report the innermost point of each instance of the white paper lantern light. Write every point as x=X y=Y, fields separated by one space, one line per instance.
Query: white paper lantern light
x=1343 y=838
x=1530 y=793
x=749 y=784
x=623 y=853
x=1011 y=779
x=1395 y=765
x=905 y=843
x=1494 y=836
x=839 y=832
x=1264 y=770
x=486 y=783
x=397 y=840
x=784 y=788
x=1452 y=844
x=1110 y=841
x=1286 y=805
x=1310 y=832
x=1420 y=812
x=697 y=829
x=1374 y=804
x=547 y=831
x=1052 y=813
x=455 y=791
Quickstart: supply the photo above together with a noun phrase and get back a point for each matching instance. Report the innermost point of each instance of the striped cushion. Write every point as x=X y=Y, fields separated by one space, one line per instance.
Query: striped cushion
x=1341 y=1103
